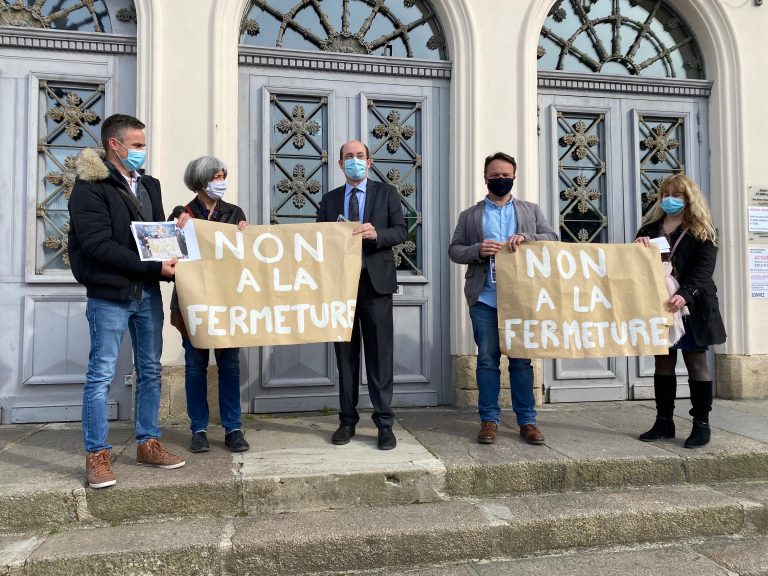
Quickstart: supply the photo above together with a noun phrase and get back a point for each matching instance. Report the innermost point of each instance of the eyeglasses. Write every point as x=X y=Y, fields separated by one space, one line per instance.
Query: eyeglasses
x=359 y=156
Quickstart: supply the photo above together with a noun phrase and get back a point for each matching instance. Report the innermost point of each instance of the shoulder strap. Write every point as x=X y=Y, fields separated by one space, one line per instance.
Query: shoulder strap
x=672 y=253
x=145 y=202
x=674 y=247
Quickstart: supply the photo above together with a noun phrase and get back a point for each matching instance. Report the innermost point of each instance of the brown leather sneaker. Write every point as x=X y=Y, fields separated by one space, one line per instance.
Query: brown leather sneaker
x=531 y=434
x=487 y=434
x=152 y=453
x=98 y=469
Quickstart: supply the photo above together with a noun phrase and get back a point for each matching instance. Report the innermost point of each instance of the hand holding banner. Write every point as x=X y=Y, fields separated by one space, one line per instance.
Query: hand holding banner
x=561 y=300
x=270 y=285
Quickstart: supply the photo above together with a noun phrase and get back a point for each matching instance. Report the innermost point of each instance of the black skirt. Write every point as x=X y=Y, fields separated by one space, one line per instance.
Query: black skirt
x=687 y=342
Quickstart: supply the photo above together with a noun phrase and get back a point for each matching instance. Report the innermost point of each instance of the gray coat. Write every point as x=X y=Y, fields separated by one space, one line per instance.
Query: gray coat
x=468 y=236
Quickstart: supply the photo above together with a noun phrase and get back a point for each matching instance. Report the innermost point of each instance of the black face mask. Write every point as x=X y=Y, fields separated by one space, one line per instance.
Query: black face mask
x=500 y=186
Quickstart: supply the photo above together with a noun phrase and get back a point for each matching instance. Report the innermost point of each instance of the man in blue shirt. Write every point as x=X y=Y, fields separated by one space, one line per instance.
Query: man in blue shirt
x=497 y=222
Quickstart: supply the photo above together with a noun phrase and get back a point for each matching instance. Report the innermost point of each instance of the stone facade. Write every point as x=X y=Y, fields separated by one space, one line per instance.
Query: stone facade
x=742 y=376
x=465 y=383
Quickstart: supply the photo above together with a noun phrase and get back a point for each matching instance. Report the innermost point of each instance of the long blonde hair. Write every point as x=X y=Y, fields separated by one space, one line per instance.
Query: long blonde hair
x=696 y=217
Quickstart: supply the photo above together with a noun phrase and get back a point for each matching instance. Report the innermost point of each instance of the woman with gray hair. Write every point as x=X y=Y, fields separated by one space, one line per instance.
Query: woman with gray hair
x=207 y=178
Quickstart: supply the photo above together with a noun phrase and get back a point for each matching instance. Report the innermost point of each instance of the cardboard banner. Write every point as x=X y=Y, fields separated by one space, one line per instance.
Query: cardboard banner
x=270 y=285
x=560 y=300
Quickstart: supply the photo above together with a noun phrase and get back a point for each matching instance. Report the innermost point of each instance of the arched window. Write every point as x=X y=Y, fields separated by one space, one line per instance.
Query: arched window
x=585 y=46
x=621 y=37
x=398 y=28
x=70 y=15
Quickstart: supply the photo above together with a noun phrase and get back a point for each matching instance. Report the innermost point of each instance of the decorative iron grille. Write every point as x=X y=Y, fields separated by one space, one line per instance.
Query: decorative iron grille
x=80 y=15
x=395 y=142
x=71 y=116
x=581 y=169
x=400 y=28
x=662 y=154
x=298 y=157
x=625 y=37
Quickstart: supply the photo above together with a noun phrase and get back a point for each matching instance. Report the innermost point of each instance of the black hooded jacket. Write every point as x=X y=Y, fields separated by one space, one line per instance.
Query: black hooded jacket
x=102 y=251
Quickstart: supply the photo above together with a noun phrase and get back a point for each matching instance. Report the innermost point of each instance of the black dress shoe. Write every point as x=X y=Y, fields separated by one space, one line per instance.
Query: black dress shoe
x=199 y=442
x=387 y=439
x=343 y=434
x=235 y=441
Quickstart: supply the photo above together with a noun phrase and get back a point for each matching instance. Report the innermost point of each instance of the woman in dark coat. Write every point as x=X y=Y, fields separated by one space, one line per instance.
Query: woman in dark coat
x=682 y=216
x=207 y=178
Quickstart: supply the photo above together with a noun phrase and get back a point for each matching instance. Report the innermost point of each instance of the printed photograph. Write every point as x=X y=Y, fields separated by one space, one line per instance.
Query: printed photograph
x=159 y=241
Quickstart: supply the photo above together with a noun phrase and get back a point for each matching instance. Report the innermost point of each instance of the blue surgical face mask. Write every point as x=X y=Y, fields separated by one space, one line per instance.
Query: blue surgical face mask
x=354 y=168
x=672 y=205
x=216 y=189
x=135 y=159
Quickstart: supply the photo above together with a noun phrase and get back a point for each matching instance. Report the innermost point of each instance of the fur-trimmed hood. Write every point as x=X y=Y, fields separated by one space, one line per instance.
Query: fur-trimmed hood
x=90 y=165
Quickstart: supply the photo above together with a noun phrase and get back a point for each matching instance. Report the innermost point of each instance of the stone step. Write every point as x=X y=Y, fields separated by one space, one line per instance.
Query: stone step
x=587 y=446
x=292 y=466
x=394 y=537
x=714 y=556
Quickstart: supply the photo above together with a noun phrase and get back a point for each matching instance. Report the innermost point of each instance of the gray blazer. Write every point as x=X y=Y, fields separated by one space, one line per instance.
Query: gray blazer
x=468 y=236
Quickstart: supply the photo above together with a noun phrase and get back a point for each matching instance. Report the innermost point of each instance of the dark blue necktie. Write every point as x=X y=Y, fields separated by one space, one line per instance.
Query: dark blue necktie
x=354 y=206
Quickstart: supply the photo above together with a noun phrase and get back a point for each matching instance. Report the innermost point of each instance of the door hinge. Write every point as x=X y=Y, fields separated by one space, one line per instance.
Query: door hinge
x=698 y=127
x=538 y=120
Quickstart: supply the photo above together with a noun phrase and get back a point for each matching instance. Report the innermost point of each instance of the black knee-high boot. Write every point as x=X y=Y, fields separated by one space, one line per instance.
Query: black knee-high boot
x=665 y=388
x=701 y=402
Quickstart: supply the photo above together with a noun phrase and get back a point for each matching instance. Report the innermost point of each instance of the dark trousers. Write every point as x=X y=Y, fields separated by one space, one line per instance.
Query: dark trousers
x=373 y=320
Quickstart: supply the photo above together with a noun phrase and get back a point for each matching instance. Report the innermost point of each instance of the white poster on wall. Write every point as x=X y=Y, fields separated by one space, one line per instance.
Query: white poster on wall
x=758 y=218
x=758 y=272
x=757 y=214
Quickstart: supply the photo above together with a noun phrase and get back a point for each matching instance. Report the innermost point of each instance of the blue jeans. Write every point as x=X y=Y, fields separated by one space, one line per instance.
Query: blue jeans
x=485 y=326
x=196 y=384
x=108 y=321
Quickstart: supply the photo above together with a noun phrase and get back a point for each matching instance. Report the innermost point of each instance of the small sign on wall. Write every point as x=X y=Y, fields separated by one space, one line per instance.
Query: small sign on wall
x=758 y=213
x=758 y=271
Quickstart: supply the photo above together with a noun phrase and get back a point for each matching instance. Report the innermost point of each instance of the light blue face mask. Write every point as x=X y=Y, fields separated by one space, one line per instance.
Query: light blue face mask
x=216 y=189
x=354 y=168
x=135 y=159
x=672 y=205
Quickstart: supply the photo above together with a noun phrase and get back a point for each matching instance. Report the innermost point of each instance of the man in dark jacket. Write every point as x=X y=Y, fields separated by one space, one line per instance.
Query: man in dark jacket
x=376 y=206
x=123 y=292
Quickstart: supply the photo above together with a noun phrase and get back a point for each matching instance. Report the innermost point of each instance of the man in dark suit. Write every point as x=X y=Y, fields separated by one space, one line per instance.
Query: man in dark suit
x=377 y=207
